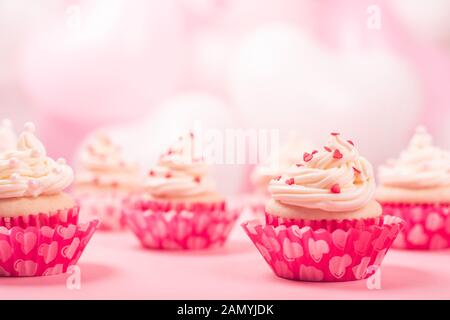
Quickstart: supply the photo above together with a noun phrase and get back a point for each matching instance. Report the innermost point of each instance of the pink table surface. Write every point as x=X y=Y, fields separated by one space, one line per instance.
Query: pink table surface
x=114 y=266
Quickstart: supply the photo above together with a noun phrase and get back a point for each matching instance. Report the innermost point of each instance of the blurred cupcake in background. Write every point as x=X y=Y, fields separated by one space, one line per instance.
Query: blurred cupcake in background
x=8 y=138
x=416 y=187
x=39 y=230
x=322 y=221
x=277 y=163
x=104 y=178
x=179 y=207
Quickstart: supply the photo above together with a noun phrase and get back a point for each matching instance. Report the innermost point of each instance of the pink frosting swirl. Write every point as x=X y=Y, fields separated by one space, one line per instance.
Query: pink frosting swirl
x=180 y=172
x=335 y=179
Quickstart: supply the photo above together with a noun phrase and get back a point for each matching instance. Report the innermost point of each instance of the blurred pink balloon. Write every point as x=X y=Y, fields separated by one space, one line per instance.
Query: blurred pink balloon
x=105 y=60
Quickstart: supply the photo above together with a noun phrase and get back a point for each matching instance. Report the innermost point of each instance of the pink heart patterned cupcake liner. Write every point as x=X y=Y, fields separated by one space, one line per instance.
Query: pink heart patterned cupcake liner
x=193 y=226
x=60 y=217
x=300 y=252
x=44 y=250
x=427 y=226
x=108 y=208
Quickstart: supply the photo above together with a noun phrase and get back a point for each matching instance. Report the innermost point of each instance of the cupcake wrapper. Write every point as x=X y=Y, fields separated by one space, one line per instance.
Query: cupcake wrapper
x=108 y=208
x=345 y=254
x=61 y=217
x=42 y=251
x=427 y=226
x=181 y=227
x=329 y=225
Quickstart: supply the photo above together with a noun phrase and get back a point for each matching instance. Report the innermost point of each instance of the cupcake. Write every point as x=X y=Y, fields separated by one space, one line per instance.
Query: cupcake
x=8 y=137
x=322 y=222
x=104 y=178
x=416 y=187
x=278 y=162
x=39 y=230
x=179 y=207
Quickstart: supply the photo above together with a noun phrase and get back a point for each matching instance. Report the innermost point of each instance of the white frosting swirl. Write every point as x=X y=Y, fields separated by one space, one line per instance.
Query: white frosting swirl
x=102 y=162
x=279 y=162
x=27 y=171
x=179 y=172
x=335 y=179
x=8 y=138
x=421 y=165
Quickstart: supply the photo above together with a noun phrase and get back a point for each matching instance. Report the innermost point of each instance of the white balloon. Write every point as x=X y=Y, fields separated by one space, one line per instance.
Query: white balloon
x=282 y=78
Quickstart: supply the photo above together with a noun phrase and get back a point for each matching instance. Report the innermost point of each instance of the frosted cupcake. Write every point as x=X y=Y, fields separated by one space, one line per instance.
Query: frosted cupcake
x=277 y=163
x=180 y=207
x=8 y=137
x=322 y=222
x=416 y=187
x=39 y=232
x=104 y=178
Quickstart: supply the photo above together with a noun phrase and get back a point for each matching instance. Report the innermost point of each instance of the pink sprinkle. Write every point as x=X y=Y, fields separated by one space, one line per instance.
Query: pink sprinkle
x=336 y=188
x=307 y=157
x=290 y=181
x=327 y=149
x=335 y=133
x=351 y=142
x=337 y=154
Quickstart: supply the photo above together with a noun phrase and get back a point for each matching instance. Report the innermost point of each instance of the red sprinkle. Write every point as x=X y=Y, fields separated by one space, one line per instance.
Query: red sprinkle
x=168 y=175
x=314 y=152
x=351 y=142
x=327 y=149
x=299 y=164
x=290 y=181
x=337 y=154
x=335 y=133
x=169 y=152
x=356 y=170
x=278 y=178
x=197 y=179
x=151 y=173
x=307 y=157
x=336 y=188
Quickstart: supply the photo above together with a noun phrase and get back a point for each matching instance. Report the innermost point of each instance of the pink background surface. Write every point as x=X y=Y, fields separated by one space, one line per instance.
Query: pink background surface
x=115 y=267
